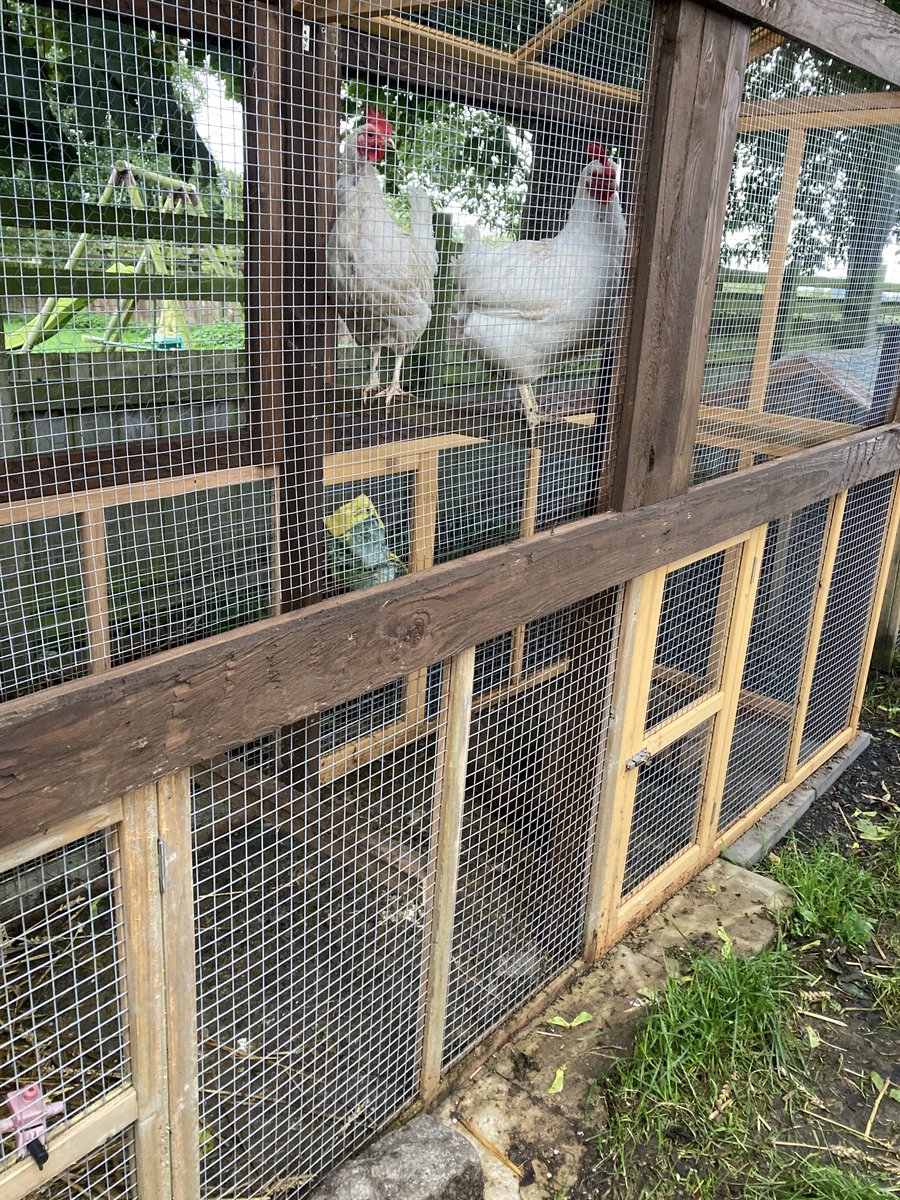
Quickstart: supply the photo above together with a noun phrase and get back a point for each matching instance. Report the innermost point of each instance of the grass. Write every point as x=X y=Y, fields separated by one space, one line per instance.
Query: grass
x=836 y=895
x=76 y=336
x=727 y=1020
x=813 y=1182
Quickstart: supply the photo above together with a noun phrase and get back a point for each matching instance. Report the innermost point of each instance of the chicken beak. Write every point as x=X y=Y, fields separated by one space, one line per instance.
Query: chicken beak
x=390 y=144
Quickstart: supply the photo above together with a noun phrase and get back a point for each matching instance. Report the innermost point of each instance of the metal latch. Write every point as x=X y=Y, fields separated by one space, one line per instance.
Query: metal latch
x=638 y=760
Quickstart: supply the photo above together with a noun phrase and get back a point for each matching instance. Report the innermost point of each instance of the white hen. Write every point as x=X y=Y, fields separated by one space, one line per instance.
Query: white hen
x=382 y=277
x=528 y=305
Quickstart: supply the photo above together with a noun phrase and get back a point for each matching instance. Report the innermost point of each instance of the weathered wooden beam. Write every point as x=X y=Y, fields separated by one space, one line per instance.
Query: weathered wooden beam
x=863 y=33
x=219 y=20
x=503 y=87
x=123 y=223
x=701 y=57
x=20 y=279
x=72 y=747
x=820 y=112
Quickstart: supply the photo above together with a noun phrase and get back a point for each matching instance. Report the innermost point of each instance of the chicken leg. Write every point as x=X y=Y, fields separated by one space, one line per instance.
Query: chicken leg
x=374 y=391
x=529 y=406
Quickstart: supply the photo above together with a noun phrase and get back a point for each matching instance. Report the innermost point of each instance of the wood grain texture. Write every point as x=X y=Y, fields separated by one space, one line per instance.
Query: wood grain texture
x=72 y=747
x=863 y=33
x=701 y=57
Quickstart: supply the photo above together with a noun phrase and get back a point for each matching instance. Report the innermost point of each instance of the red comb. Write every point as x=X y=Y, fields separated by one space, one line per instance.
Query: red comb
x=597 y=151
x=379 y=122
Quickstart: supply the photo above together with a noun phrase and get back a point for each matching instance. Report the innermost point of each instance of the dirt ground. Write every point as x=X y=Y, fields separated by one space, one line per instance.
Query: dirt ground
x=825 y=1115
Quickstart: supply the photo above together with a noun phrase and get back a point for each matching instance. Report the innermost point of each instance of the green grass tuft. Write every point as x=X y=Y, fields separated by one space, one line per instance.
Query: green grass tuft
x=727 y=1024
x=836 y=896
x=812 y=1182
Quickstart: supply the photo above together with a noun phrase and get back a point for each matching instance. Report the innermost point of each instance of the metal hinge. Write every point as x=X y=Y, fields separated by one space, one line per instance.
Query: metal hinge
x=638 y=760
x=162 y=864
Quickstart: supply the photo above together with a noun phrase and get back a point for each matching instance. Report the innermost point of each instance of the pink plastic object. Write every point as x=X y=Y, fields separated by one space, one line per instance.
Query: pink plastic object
x=29 y=1116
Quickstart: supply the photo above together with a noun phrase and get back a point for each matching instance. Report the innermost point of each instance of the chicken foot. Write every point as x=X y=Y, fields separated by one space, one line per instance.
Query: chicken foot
x=374 y=391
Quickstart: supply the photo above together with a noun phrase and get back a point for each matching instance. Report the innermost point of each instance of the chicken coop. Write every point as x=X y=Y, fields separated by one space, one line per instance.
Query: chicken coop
x=450 y=460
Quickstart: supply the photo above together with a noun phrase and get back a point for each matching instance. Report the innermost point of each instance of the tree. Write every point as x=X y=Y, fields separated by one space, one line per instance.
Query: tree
x=81 y=90
x=847 y=207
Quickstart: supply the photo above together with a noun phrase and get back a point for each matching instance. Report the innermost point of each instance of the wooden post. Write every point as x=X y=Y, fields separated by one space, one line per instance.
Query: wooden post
x=175 y=848
x=526 y=529
x=781 y=235
x=96 y=590
x=891 y=534
x=631 y=689
x=816 y=621
x=450 y=786
x=145 y=988
x=701 y=57
x=730 y=686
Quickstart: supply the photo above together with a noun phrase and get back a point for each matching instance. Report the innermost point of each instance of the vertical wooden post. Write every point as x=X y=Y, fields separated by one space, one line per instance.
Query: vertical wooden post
x=701 y=57
x=526 y=529
x=145 y=986
x=175 y=847
x=423 y=531
x=891 y=534
x=700 y=60
x=450 y=789
x=96 y=592
x=730 y=685
x=781 y=236
x=631 y=689
x=817 y=619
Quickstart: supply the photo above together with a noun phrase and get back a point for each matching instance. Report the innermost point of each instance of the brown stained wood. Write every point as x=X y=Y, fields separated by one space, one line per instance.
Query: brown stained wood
x=190 y=704
x=889 y=617
x=266 y=218
x=61 y=834
x=221 y=20
x=497 y=87
x=888 y=541
x=96 y=1125
x=145 y=987
x=21 y=279
x=863 y=33
x=93 y=467
x=701 y=57
x=174 y=817
x=124 y=223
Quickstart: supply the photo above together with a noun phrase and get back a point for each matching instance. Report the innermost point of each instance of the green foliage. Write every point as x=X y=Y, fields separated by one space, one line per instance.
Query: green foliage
x=836 y=896
x=727 y=1022
x=81 y=90
x=813 y=1182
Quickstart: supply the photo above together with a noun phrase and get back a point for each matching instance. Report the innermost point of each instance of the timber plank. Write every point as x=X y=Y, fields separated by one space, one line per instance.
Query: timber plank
x=70 y=748
x=691 y=141
x=863 y=33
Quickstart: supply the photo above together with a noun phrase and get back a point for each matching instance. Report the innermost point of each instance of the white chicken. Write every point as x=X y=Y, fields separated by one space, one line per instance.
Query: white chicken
x=528 y=305
x=381 y=276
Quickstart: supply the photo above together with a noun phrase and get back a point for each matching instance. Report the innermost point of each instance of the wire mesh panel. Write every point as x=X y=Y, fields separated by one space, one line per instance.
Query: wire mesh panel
x=805 y=336
x=666 y=807
x=62 y=995
x=311 y=909
x=109 y=1171
x=527 y=834
x=776 y=656
x=121 y=205
x=847 y=613
x=693 y=630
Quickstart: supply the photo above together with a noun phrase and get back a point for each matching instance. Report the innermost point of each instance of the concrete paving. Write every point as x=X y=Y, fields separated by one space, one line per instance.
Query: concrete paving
x=510 y=1102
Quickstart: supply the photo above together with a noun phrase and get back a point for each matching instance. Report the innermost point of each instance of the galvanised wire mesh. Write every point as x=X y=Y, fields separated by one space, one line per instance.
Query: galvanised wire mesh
x=776 y=655
x=527 y=835
x=666 y=807
x=805 y=336
x=153 y=493
x=62 y=990
x=109 y=1171
x=131 y=518
x=312 y=916
x=847 y=613
x=693 y=633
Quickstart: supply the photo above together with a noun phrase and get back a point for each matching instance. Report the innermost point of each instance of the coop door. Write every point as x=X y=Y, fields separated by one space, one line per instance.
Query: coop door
x=672 y=720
